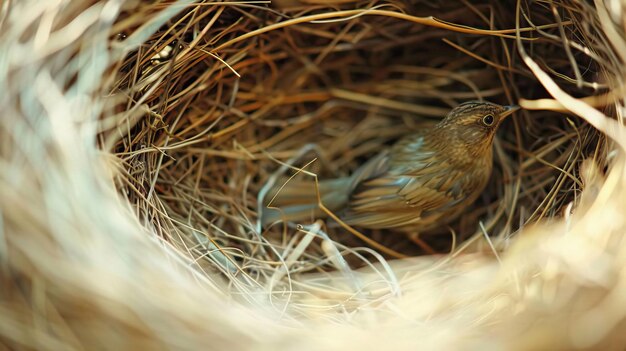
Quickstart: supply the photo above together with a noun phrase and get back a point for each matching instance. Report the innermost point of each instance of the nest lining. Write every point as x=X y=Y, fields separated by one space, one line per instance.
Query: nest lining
x=204 y=111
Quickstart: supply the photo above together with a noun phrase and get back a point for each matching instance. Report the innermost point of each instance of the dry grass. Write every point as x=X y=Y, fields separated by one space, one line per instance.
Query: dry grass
x=234 y=103
x=136 y=141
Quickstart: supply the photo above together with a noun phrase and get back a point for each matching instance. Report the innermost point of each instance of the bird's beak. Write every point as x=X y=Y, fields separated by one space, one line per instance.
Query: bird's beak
x=508 y=110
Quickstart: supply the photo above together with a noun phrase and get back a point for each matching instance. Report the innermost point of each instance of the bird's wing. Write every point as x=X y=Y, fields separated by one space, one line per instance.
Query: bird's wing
x=406 y=191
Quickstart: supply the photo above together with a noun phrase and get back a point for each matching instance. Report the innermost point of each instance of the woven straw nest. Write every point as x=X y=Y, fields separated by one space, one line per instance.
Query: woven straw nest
x=136 y=141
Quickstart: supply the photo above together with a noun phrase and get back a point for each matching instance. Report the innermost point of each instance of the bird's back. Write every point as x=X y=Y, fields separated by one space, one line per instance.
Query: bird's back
x=418 y=186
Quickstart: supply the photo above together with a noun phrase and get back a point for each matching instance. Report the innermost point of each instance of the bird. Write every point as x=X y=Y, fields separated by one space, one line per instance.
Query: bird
x=424 y=180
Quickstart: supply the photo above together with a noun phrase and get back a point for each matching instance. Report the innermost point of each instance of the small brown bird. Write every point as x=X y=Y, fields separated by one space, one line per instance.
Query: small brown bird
x=423 y=181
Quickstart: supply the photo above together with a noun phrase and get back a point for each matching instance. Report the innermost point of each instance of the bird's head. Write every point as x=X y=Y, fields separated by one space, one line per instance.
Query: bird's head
x=474 y=124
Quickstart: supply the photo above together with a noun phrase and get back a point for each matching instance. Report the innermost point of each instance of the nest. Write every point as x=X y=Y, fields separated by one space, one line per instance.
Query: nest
x=139 y=143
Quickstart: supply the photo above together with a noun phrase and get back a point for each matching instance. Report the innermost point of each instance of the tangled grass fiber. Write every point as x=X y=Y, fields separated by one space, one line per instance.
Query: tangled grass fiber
x=137 y=141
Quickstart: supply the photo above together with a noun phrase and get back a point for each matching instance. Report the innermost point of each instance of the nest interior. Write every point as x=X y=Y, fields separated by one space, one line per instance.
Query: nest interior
x=234 y=92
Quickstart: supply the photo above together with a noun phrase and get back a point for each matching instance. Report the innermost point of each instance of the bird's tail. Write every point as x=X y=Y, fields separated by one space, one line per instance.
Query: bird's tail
x=298 y=200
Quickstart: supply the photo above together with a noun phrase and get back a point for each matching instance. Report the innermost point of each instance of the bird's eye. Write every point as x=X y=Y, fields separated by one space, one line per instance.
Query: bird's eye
x=488 y=120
